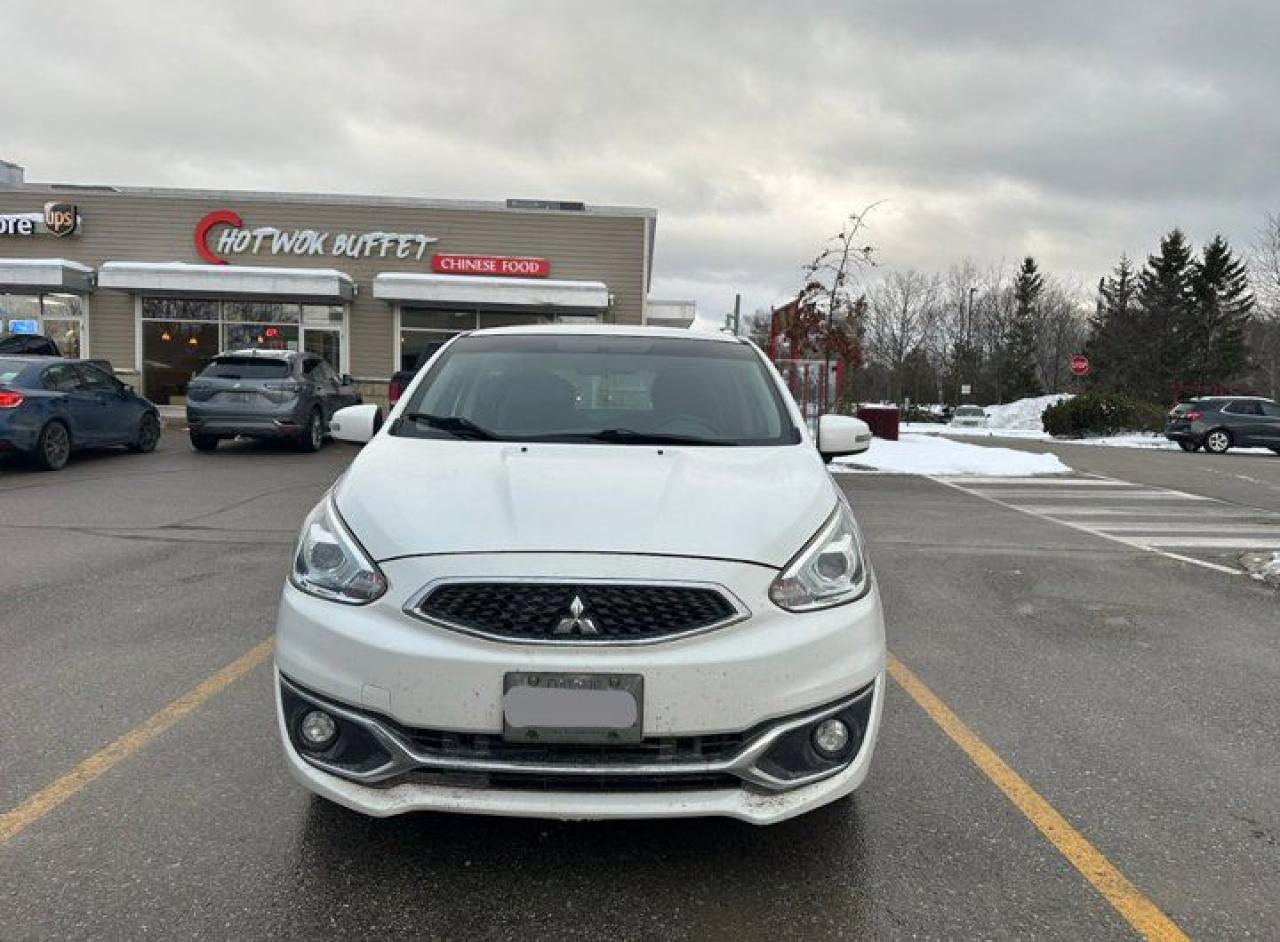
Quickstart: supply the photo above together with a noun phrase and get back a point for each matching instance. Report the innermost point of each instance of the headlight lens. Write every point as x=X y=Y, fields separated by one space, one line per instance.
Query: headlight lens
x=829 y=571
x=330 y=564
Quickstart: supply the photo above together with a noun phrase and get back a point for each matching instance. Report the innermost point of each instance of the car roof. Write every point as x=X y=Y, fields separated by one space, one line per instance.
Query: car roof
x=253 y=352
x=1227 y=398
x=607 y=330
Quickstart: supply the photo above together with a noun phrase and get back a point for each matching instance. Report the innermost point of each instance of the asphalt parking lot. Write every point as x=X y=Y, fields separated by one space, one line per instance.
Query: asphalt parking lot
x=1132 y=693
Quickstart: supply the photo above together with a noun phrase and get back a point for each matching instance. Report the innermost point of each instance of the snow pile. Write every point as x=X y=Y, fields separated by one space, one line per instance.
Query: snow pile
x=919 y=454
x=1022 y=413
x=1263 y=566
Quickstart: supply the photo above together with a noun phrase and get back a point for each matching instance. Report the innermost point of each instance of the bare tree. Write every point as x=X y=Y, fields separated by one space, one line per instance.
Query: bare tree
x=1264 y=332
x=902 y=311
x=1060 y=332
x=832 y=288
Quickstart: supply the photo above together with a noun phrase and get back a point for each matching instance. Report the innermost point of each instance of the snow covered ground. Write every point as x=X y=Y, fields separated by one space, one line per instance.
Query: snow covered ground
x=1263 y=566
x=920 y=454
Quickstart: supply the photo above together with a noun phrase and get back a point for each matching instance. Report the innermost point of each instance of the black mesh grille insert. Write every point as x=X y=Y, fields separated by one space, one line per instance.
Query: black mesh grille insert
x=538 y=611
x=650 y=751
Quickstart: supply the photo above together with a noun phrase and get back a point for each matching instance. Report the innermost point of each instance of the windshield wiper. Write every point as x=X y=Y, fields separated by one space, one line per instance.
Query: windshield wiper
x=453 y=424
x=626 y=436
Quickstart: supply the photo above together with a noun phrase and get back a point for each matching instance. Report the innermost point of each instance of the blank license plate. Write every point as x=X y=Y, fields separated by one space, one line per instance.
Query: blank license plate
x=572 y=708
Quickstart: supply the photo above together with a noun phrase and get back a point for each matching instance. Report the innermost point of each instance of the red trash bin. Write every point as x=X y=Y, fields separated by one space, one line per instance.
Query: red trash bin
x=882 y=419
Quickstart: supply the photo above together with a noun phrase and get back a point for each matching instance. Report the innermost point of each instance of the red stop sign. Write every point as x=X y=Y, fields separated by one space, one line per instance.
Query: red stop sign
x=1079 y=365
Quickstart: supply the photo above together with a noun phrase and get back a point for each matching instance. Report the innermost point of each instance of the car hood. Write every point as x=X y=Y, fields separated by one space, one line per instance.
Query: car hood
x=406 y=497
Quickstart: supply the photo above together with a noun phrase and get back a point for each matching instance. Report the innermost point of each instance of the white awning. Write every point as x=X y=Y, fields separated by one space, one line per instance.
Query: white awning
x=318 y=284
x=45 y=274
x=480 y=291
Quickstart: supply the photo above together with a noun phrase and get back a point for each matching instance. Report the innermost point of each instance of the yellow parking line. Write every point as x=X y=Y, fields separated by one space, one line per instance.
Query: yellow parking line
x=1126 y=898
x=13 y=823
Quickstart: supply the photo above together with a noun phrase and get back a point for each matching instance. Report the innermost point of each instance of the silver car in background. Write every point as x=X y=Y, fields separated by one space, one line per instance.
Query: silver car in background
x=282 y=394
x=970 y=417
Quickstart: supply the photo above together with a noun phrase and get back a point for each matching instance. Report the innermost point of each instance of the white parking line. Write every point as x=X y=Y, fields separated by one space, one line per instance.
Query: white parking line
x=1045 y=481
x=1087 y=495
x=1153 y=519
x=1157 y=526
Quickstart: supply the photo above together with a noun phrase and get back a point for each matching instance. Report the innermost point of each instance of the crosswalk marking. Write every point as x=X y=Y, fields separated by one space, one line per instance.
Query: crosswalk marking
x=1160 y=520
x=1045 y=481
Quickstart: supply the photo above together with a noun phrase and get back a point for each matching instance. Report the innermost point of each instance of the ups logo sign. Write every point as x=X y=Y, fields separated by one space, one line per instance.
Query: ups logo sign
x=60 y=218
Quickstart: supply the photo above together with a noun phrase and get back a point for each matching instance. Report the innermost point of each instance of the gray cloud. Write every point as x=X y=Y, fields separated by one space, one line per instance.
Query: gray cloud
x=1074 y=131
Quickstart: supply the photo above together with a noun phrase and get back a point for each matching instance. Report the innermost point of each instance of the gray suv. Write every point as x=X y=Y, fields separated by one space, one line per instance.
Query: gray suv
x=266 y=394
x=1216 y=423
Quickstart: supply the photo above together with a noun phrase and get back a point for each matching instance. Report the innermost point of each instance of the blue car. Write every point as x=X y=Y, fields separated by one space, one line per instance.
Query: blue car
x=50 y=407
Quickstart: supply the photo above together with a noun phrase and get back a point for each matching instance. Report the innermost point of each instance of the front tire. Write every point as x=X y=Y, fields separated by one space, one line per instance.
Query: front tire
x=204 y=442
x=53 y=447
x=1217 y=442
x=313 y=435
x=148 y=434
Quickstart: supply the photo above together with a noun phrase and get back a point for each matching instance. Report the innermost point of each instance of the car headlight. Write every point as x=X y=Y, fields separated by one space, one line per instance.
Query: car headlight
x=329 y=563
x=829 y=570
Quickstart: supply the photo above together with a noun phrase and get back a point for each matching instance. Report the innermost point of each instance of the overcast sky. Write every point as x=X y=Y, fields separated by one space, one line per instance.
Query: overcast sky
x=1070 y=130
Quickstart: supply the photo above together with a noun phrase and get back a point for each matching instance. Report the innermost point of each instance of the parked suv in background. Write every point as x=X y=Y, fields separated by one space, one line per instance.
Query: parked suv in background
x=266 y=394
x=585 y=572
x=30 y=345
x=1217 y=423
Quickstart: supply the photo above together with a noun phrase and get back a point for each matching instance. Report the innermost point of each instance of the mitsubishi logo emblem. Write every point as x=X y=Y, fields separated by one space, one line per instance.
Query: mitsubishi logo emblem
x=575 y=623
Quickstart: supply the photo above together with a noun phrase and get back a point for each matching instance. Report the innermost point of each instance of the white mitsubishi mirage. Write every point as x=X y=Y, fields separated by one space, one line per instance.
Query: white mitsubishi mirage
x=584 y=572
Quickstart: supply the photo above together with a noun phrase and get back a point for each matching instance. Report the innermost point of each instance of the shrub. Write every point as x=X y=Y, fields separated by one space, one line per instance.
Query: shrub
x=1102 y=413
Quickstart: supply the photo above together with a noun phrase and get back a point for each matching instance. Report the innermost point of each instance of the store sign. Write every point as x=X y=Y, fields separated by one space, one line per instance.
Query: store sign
x=234 y=238
x=58 y=219
x=24 y=327
x=501 y=265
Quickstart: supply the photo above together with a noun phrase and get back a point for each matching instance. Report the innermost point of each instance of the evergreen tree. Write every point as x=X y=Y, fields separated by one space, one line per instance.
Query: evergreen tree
x=1115 y=349
x=1020 y=378
x=1213 y=336
x=1164 y=299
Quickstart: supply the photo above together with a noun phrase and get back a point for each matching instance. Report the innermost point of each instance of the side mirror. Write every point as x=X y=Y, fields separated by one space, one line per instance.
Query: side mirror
x=356 y=423
x=840 y=435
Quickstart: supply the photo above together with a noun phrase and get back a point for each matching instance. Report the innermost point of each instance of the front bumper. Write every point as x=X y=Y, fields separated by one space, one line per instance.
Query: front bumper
x=754 y=677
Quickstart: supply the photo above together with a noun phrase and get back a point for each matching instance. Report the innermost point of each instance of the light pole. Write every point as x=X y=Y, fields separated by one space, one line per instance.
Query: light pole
x=968 y=330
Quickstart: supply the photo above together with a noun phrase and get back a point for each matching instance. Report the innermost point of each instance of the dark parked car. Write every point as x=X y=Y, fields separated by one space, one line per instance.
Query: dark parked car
x=266 y=394
x=1217 y=423
x=50 y=408
x=36 y=345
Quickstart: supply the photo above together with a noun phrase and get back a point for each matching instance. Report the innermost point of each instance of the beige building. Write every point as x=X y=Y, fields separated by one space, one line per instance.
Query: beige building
x=158 y=280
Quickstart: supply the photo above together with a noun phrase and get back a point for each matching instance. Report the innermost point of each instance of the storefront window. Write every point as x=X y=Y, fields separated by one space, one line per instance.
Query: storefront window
x=180 y=335
x=58 y=316
x=173 y=352
x=259 y=337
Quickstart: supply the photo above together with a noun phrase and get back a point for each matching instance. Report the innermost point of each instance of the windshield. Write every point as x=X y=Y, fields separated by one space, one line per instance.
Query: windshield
x=969 y=411
x=246 y=368
x=590 y=388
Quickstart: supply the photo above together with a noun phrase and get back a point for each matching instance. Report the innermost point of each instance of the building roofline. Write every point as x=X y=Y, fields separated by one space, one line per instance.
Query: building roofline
x=327 y=199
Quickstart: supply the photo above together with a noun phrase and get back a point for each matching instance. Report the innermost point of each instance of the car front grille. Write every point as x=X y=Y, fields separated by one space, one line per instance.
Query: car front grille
x=576 y=613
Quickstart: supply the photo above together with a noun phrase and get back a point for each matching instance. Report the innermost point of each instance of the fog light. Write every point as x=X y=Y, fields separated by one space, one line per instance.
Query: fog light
x=318 y=729
x=830 y=738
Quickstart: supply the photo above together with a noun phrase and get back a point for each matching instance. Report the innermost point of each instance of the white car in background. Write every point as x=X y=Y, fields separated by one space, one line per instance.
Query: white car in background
x=969 y=417
x=585 y=572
